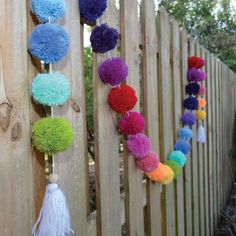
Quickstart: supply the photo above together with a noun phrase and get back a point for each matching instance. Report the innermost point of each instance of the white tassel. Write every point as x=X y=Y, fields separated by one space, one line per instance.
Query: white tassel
x=54 y=217
x=201 y=137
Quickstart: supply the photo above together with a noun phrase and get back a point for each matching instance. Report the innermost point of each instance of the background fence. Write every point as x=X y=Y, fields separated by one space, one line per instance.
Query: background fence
x=156 y=50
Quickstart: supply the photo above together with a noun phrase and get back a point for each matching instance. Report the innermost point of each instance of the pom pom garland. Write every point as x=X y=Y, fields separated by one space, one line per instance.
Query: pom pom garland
x=178 y=157
x=162 y=174
x=201 y=115
x=185 y=133
x=113 y=71
x=188 y=118
x=193 y=75
x=183 y=146
x=175 y=167
x=103 y=38
x=91 y=10
x=148 y=163
x=49 y=43
x=48 y=10
x=202 y=90
x=138 y=145
x=195 y=62
x=192 y=88
x=51 y=89
x=122 y=99
x=202 y=102
x=52 y=135
x=131 y=123
x=191 y=103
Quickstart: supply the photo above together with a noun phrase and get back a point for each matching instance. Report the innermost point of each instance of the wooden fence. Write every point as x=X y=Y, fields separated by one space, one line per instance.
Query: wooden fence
x=156 y=50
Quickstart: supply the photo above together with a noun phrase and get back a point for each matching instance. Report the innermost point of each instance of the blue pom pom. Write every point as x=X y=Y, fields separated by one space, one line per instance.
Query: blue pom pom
x=51 y=89
x=182 y=146
x=91 y=10
x=48 y=10
x=185 y=133
x=103 y=38
x=191 y=103
x=49 y=43
x=178 y=157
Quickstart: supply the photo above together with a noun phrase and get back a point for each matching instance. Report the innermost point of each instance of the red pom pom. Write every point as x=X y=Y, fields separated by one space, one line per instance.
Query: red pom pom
x=122 y=99
x=195 y=62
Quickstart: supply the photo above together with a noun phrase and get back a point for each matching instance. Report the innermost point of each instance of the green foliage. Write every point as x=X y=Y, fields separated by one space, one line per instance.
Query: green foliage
x=52 y=135
x=88 y=87
x=213 y=24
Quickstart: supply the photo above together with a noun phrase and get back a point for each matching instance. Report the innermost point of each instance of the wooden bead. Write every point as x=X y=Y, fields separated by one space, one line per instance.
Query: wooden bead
x=53 y=178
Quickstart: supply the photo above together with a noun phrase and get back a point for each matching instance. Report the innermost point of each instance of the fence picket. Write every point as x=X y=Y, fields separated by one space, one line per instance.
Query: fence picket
x=150 y=94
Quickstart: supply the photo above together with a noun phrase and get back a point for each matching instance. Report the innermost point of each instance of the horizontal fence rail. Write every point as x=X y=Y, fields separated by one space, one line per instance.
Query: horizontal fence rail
x=156 y=49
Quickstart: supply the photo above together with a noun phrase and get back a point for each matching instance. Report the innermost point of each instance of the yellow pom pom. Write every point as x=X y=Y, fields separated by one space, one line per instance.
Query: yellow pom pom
x=201 y=114
x=163 y=174
x=202 y=102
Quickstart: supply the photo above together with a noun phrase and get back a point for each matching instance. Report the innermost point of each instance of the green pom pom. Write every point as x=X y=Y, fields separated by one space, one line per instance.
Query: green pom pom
x=174 y=166
x=52 y=135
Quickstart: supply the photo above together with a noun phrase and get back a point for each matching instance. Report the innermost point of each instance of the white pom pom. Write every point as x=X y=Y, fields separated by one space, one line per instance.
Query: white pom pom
x=54 y=217
x=201 y=137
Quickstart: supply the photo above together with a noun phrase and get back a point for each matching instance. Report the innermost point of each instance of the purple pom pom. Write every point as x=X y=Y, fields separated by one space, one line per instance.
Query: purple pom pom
x=192 y=88
x=183 y=146
x=202 y=75
x=194 y=75
x=138 y=145
x=103 y=38
x=191 y=103
x=113 y=71
x=188 y=118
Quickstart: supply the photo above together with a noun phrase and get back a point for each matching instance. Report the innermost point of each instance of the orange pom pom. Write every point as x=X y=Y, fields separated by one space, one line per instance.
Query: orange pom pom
x=163 y=174
x=201 y=115
x=202 y=102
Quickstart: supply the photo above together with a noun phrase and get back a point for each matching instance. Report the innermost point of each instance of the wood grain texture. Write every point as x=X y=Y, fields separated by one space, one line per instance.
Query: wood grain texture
x=150 y=94
x=194 y=165
x=16 y=175
x=166 y=114
x=178 y=90
x=106 y=147
x=187 y=169
x=71 y=165
x=133 y=176
x=200 y=167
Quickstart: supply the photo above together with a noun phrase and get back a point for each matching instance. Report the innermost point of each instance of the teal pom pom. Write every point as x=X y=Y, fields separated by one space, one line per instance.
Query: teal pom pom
x=185 y=133
x=51 y=89
x=46 y=10
x=178 y=157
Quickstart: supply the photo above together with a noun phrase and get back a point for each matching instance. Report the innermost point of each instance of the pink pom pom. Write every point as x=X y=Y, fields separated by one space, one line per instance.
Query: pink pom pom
x=148 y=163
x=138 y=145
x=202 y=90
x=131 y=123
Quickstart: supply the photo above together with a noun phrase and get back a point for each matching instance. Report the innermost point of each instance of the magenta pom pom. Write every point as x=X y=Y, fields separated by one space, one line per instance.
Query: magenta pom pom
x=194 y=75
x=202 y=76
x=188 y=118
x=202 y=90
x=138 y=145
x=131 y=123
x=113 y=71
x=148 y=163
